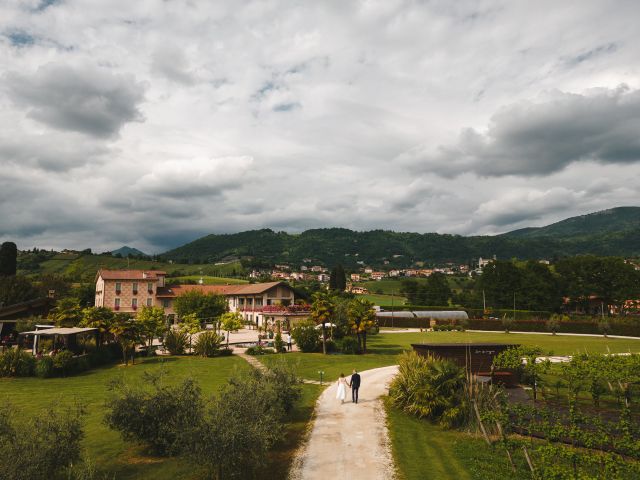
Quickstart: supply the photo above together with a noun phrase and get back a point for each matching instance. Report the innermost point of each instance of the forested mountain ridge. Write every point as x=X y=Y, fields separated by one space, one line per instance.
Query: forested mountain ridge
x=613 y=220
x=610 y=232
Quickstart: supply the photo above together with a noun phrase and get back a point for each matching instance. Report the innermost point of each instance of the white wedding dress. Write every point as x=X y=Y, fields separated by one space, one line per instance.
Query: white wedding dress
x=341 y=394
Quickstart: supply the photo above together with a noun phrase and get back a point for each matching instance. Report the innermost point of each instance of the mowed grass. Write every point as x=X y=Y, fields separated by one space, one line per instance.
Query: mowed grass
x=309 y=364
x=104 y=446
x=384 y=348
x=557 y=344
x=423 y=451
x=384 y=300
x=387 y=285
x=209 y=280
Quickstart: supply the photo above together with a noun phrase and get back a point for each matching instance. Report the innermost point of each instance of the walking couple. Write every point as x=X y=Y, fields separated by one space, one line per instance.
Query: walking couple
x=354 y=383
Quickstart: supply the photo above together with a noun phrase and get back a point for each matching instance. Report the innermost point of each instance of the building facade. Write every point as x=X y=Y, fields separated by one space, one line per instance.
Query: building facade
x=259 y=303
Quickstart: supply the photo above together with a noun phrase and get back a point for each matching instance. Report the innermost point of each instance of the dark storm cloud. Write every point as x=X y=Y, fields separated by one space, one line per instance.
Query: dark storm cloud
x=87 y=99
x=534 y=139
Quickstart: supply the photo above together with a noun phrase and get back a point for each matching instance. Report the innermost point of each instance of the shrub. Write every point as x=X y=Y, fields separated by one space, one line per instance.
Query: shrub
x=44 y=367
x=247 y=413
x=285 y=383
x=447 y=327
x=332 y=346
x=160 y=418
x=430 y=388
x=15 y=362
x=278 y=343
x=259 y=350
x=306 y=336
x=105 y=354
x=207 y=344
x=63 y=363
x=43 y=447
x=507 y=322
x=226 y=352
x=81 y=364
x=176 y=342
x=349 y=345
x=553 y=324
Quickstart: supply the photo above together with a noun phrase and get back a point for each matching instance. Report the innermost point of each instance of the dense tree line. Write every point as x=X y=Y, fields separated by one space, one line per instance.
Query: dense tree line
x=535 y=286
x=434 y=292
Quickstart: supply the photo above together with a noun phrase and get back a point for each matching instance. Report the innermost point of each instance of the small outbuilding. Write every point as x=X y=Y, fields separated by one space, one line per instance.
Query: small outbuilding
x=477 y=358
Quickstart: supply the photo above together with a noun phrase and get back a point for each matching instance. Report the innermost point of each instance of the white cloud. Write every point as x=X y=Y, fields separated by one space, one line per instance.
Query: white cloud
x=150 y=123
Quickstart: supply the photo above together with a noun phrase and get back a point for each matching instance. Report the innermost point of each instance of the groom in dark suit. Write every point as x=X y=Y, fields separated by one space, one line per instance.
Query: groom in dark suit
x=355 y=385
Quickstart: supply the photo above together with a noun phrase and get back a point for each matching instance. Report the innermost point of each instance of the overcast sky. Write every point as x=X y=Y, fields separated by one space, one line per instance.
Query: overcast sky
x=151 y=123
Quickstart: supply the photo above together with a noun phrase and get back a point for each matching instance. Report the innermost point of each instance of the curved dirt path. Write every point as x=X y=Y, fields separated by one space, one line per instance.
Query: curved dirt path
x=347 y=440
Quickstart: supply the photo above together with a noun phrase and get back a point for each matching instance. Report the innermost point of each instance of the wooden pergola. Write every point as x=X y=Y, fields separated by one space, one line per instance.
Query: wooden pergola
x=62 y=336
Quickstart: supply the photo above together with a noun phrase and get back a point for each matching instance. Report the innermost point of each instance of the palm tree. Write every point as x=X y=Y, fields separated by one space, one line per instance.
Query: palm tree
x=100 y=318
x=322 y=309
x=362 y=317
x=66 y=313
x=430 y=388
x=127 y=333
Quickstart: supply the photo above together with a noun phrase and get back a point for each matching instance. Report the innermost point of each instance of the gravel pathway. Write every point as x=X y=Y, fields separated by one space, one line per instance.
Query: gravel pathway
x=347 y=440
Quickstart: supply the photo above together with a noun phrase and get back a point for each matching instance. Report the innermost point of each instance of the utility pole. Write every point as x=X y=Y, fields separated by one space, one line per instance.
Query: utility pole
x=392 y=309
x=484 y=303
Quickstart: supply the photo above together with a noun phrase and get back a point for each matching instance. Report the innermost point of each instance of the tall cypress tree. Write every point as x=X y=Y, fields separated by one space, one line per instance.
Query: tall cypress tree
x=341 y=278
x=332 y=279
x=8 y=259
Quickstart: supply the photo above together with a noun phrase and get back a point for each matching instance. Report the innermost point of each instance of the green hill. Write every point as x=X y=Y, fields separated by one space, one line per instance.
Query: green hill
x=613 y=221
x=82 y=267
x=128 y=252
x=611 y=232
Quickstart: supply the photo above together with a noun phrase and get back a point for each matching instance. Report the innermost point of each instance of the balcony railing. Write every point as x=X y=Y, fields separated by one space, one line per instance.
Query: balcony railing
x=248 y=308
x=286 y=309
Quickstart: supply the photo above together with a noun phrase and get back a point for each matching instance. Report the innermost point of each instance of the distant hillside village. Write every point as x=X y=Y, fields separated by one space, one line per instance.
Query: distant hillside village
x=311 y=272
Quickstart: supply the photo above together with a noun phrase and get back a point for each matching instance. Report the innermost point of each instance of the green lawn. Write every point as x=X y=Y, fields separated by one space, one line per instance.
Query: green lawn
x=558 y=344
x=423 y=451
x=384 y=300
x=104 y=446
x=387 y=286
x=308 y=364
x=384 y=348
x=208 y=280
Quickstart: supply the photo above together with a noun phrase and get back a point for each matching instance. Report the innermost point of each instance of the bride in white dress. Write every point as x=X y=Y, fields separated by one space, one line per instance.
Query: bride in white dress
x=341 y=394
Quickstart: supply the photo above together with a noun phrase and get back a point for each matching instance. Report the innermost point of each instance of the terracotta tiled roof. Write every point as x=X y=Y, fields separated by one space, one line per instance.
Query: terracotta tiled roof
x=130 y=274
x=246 y=289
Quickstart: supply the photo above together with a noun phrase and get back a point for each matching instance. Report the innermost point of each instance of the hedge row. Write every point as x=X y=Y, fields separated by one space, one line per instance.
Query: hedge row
x=20 y=363
x=617 y=326
x=626 y=326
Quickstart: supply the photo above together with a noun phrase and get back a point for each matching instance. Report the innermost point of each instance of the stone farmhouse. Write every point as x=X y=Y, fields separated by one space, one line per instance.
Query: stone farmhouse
x=260 y=303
